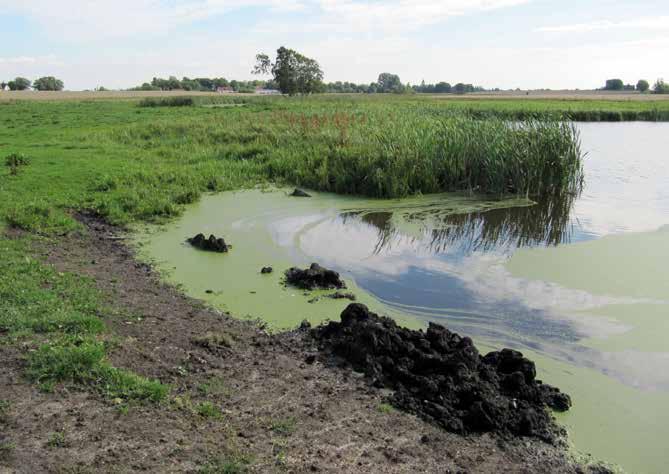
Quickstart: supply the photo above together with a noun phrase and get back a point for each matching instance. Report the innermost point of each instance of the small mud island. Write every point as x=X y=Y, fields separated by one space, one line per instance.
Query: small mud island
x=314 y=277
x=211 y=244
x=441 y=377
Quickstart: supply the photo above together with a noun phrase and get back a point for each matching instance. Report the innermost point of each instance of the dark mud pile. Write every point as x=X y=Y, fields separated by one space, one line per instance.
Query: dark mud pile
x=441 y=376
x=212 y=244
x=300 y=193
x=314 y=277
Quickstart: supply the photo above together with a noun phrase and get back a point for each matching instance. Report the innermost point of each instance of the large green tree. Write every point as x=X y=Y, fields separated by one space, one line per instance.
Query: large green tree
x=19 y=84
x=642 y=85
x=614 y=85
x=388 y=82
x=293 y=72
x=48 y=83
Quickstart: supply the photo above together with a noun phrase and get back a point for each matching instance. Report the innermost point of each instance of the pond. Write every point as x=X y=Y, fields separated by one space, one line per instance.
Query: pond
x=578 y=284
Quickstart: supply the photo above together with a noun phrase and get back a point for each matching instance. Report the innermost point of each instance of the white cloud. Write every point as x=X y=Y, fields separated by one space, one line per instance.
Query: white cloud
x=104 y=19
x=645 y=23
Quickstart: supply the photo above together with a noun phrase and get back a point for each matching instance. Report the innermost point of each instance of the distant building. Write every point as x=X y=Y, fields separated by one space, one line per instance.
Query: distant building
x=263 y=91
x=225 y=90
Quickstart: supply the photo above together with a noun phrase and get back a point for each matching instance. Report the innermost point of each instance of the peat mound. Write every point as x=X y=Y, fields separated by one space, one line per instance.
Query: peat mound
x=212 y=244
x=314 y=277
x=300 y=193
x=441 y=377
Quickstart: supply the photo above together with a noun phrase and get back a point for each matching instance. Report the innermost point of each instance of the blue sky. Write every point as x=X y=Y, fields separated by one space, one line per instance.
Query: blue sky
x=494 y=43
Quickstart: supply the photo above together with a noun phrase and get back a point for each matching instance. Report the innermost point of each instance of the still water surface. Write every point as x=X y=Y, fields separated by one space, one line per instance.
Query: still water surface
x=578 y=284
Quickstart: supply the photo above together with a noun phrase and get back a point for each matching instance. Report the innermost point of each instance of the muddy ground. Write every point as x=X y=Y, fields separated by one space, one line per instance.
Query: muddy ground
x=280 y=414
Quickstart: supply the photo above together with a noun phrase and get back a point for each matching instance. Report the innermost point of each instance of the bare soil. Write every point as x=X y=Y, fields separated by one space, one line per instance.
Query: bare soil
x=280 y=412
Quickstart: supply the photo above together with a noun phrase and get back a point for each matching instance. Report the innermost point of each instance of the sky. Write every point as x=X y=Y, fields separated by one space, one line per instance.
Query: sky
x=530 y=44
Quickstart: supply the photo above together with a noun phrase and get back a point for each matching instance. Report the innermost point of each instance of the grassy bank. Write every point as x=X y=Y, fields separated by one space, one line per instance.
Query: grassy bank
x=129 y=162
x=60 y=316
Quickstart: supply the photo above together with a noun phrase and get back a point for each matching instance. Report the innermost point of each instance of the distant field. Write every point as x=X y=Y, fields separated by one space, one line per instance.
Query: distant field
x=506 y=95
x=90 y=95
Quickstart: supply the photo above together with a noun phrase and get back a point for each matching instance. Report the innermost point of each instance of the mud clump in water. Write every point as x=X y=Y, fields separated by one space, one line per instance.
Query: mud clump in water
x=212 y=244
x=314 y=277
x=300 y=193
x=441 y=376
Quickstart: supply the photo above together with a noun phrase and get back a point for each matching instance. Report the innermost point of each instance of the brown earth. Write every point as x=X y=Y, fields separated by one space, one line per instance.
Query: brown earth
x=280 y=412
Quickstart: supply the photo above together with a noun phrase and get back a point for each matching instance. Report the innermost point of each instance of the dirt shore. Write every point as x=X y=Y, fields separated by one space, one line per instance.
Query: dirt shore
x=279 y=413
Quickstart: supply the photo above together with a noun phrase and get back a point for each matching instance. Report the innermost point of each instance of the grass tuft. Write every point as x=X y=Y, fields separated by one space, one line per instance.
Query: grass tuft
x=82 y=361
x=227 y=465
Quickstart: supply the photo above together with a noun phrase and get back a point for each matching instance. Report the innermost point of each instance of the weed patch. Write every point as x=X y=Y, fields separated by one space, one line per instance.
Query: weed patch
x=15 y=162
x=283 y=426
x=227 y=465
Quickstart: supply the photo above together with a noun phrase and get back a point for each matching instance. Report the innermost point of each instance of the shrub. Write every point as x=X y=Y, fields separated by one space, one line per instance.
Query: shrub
x=167 y=102
x=15 y=161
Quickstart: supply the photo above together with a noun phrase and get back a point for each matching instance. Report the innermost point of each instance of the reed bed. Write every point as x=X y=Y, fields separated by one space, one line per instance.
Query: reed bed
x=131 y=163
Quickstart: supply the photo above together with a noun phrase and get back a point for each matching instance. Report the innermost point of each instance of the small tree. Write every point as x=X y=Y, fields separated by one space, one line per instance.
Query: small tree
x=19 y=84
x=642 y=86
x=293 y=72
x=48 y=83
x=614 y=85
x=3 y=86
x=661 y=87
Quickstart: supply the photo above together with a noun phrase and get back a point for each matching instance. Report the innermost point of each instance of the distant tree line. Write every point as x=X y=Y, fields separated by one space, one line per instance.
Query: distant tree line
x=202 y=84
x=391 y=83
x=643 y=86
x=48 y=83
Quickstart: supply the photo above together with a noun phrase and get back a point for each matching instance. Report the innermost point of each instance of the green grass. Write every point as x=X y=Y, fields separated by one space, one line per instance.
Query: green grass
x=208 y=410
x=130 y=163
x=59 y=314
x=385 y=408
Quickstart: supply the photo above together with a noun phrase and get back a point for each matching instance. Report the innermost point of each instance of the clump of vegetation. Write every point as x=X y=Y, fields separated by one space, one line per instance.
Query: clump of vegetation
x=283 y=426
x=213 y=387
x=385 y=408
x=167 y=102
x=227 y=465
x=208 y=410
x=6 y=447
x=15 y=162
x=82 y=361
x=42 y=218
x=5 y=407
x=213 y=339
x=57 y=440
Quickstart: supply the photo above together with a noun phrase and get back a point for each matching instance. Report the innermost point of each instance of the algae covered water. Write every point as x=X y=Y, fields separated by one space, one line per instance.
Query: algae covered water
x=579 y=284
